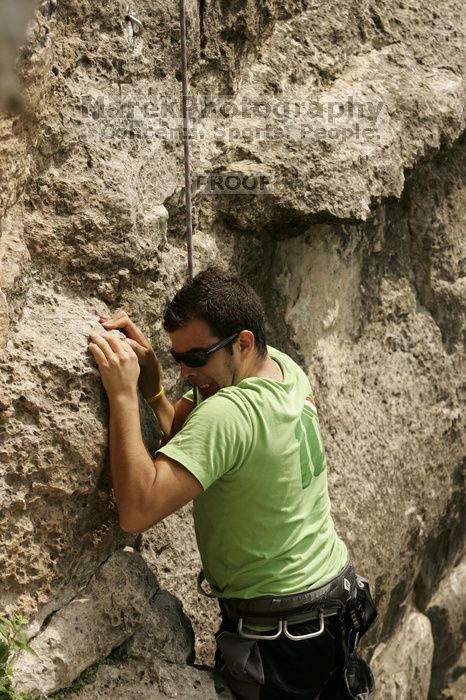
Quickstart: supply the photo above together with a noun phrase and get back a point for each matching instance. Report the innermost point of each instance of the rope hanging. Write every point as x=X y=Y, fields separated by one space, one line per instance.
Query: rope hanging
x=186 y=135
x=187 y=156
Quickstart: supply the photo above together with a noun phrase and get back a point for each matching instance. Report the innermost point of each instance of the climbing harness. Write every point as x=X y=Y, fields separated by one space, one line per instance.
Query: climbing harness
x=344 y=603
x=282 y=611
x=355 y=680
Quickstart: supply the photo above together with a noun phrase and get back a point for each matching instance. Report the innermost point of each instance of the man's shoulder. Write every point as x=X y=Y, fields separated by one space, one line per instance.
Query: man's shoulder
x=225 y=406
x=277 y=354
x=287 y=363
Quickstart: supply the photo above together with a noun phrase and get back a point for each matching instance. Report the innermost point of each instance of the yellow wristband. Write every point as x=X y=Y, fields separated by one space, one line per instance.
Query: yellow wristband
x=156 y=397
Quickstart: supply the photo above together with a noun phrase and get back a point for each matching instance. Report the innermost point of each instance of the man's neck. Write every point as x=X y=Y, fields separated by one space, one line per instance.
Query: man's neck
x=265 y=367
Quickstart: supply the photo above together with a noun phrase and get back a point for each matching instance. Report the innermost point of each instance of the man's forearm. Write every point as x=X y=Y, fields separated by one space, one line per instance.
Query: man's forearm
x=133 y=470
x=164 y=412
x=150 y=383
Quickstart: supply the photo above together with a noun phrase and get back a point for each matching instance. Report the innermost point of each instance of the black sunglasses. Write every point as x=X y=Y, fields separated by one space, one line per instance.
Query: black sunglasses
x=198 y=357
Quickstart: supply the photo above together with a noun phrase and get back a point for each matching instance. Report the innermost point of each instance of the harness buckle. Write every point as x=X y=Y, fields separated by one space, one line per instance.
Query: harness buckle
x=269 y=637
x=301 y=637
x=282 y=626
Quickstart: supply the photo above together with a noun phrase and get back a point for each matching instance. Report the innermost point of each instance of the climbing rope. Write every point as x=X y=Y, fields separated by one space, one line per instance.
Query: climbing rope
x=187 y=156
x=135 y=28
x=186 y=135
x=134 y=25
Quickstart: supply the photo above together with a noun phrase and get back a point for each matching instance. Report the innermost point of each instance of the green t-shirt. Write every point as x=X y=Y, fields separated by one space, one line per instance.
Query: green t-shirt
x=263 y=522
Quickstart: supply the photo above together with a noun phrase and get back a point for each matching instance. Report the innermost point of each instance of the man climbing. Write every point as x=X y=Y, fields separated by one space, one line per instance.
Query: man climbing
x=248 y=451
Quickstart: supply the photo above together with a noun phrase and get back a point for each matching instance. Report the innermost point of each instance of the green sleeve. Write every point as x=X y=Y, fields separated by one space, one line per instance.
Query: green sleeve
x=189 y=395
x=215 y=439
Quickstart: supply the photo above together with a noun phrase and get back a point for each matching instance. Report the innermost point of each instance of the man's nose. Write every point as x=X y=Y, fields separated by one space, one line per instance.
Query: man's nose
x=186 y=372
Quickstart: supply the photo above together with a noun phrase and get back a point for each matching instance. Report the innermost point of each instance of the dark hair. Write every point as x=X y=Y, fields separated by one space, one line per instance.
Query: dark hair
x=221 y=299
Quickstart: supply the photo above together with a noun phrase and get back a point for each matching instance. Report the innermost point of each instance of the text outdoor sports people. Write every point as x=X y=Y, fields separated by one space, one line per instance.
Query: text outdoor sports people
x=250 y=456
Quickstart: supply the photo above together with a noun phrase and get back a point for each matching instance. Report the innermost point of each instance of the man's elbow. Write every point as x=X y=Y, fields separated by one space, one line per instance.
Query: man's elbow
x=130 y=528
x=135 y=524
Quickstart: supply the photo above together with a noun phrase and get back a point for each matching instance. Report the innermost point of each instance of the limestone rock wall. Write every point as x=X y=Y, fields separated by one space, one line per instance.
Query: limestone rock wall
x=354 y=118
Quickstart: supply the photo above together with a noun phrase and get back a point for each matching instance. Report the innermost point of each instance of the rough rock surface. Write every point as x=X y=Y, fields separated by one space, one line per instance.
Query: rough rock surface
x=447 y=614
x=122 y=608
x=457 y=686
x=152 y=680
x=122 y=602
x=402 y=666
x=14 y=18
x=353 y=118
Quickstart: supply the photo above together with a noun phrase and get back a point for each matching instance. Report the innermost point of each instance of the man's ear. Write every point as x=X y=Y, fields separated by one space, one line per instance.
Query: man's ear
x=247 y=341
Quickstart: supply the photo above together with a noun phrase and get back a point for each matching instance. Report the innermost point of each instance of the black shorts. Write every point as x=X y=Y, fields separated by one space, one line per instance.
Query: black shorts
x=281 y=669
